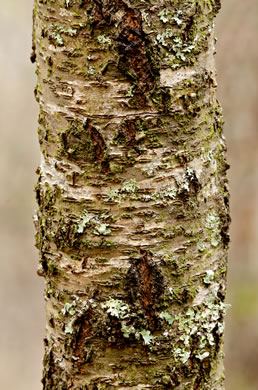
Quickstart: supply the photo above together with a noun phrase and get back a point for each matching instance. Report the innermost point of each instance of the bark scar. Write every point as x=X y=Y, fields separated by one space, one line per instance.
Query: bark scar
x=134 y=53
x=145 y=283
x=84 y=333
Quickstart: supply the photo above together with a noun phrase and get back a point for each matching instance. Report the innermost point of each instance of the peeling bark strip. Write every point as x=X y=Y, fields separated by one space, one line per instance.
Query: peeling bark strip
x=132 y=225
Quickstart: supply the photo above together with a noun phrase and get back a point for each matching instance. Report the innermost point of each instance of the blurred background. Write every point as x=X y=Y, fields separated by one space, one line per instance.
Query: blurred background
x=22 y=319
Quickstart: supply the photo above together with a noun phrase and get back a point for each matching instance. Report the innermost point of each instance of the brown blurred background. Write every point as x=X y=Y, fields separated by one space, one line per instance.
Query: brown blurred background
x=21 y=290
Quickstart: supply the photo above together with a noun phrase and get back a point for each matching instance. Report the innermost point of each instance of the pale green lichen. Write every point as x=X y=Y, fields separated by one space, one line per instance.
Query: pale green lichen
x=72 y=310
x=130 y=186
x=69 y=308
x=213 y=227
x=94 y=221
x=70 y=31
x=129 y=189
x=140 y=136
x=55 y=36
x=177 y=47
x=167 y=192
x=87 y=69
x=174 y=44
x=121 y=310
x=56 y=31
x=167 y=317
x=162 y=38
x=147 y=336
x=91 y=70
x=203 y=355
x=177 y=16
x=146 y=18
x=207 y=155
x=76 y=306
x=161 y=196
x=84 y=220
x=181 y=354
x=103 y=230
x=198 y=325
x=164 y=15
x=114 y=195
x=104 y=40
x=184 y=181
x=201 y=246
x=209 y=277
x=116 y=308
x=127 y=330
x=69 y=327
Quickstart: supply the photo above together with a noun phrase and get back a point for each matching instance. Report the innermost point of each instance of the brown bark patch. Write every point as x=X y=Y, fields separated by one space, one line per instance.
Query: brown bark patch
x=83 y=334
x=135 y=54
x=103 y=11
x=145 y=283
x=129 y=130
x=127 y=133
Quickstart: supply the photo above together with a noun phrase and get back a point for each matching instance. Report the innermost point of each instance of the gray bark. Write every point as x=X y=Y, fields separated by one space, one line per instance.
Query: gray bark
x=132 y=225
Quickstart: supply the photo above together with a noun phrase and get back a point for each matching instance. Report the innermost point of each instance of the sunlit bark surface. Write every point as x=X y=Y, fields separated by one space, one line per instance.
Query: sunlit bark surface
x=132 y=225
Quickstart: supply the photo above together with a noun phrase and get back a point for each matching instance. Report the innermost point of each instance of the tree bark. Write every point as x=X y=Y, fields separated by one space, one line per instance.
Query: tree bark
x=132 y=225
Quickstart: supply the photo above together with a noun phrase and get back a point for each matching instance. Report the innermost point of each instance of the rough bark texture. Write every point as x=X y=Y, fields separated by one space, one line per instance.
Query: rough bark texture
x=132 y=225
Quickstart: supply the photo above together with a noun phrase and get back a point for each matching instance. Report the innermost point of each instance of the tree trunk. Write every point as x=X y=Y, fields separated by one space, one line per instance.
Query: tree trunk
x=132 y=225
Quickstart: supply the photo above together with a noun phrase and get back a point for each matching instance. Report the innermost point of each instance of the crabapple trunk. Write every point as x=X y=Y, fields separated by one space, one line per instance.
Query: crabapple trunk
x=132 y=223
